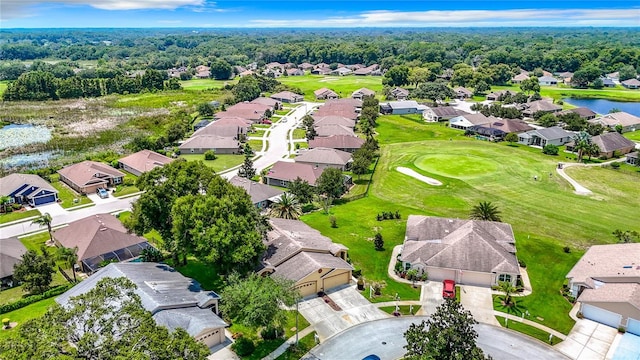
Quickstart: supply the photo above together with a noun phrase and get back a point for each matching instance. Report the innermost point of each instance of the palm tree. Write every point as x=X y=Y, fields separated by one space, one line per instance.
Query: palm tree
x=69 y=257
x=43 y=220
x=507 y=288
x=582 y=142
x=593 y=150
x=486 y=211
x=286 y=208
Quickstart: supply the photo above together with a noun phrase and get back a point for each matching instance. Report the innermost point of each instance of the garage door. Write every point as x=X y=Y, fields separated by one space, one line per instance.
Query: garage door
x=213 y=338
x=601 y=315
x=439 y=274
x=476 y=278
x=307 y=288
x=633 y=326
x=336 y=280
x=44 y=200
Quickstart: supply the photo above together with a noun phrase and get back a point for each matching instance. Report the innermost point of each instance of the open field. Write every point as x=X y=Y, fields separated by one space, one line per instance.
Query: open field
x=17 y=215
x=343 y=85
x=204 y=84
x=221 y=163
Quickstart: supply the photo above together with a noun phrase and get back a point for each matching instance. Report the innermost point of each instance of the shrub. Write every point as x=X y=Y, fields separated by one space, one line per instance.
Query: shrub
x=550 y=149
x=128 y=181
x=151 y=254
x=333 y=221
x=209 y=155
x=271 y=333
x=33 y=299
x=243 y=346
x=566 y=249
x=357 y=273
x=579 y=315
x=615 y=165
x=378 y=242
x=397 y=214
x=379 y=217
x=377 y=287
x=16 y=206
x=399 y=267
x=522 y=263
x=412 y=274
x=621 y=330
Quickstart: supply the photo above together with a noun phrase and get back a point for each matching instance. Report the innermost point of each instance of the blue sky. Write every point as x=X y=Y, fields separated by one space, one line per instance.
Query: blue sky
x=324 y=13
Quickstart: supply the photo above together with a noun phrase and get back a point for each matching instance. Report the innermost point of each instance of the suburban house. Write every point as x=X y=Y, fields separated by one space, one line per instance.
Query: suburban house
x=287 y=97
x=200 y=124
x=498 y=95
x=241 y=125
x=340 y=142
x=284 y=172
x=250 y=111
x=471 y=252
x=11 y=251
x=509 y=126
x=87 y=176
x=547 y=81
x=246 y=73
x=399 y=93
x=615 y=76
x=324 y=94
x=463 y=93
x=27 y=189
x=333 y=129
x=143 y=161
x=554 y=135
x=612 y=142
x=520 y=78
x=608 y=83
x=297 y=252
x=175 y=72
x=583 y=112
x=606 y=282
x=275 y=65
x=463 y=122
x=631 y=83
x=273 y=104
x=632 y=158
x=305 y=66
x=362 y=92
x=531 y=108
x=441 y=113
x=261 y=195
x=364 y=71
x=99 y=238
x=402 y=107
x=321 y=71
x=334 y=120
x=294 y=72
x=174 y=301
x=203 y=72
x=627 y=121
x=342 y=71
x=325 y=158
x=199 y=144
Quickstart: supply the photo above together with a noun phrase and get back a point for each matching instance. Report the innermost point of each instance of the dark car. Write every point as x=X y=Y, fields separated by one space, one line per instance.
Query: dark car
x=371 y=357
x=102 y=192
x=449 y=289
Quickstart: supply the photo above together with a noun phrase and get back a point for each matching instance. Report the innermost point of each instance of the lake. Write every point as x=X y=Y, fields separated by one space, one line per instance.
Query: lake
x=602 y=106
x=19 y=135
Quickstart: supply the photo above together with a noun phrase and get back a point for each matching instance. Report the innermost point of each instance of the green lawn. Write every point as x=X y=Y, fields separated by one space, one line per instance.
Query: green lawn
x=203 y=84
x=3 y=86
x=26 y=313
x=223 y=161
x=258 y=133
x=123 y=190
x=17 y=215
x=66 y=195
x=256 y=145
x=343 y=85
x=404 y=309
x=153 y=236
x=305 y=344
x=299 y=134
x=634 y=135
x=408 y=128
x=528 y=330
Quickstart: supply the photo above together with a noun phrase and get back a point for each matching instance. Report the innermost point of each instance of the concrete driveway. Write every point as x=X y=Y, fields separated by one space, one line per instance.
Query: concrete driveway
x=479 y=301
x=430 y=297
x=385 y=339
x=588 y=340
x=328 y=322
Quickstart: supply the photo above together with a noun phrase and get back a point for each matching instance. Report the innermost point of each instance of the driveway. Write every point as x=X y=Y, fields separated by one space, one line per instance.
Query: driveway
x=385 y=339
x=328 y=322
x=479 y=301
x=430 y=297
x=628 y=348
x=588 y=340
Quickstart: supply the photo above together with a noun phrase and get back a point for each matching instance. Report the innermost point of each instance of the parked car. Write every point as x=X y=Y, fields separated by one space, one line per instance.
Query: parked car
x=371 y=357
x=102 y=192
x=268 y=122
x=449 y=289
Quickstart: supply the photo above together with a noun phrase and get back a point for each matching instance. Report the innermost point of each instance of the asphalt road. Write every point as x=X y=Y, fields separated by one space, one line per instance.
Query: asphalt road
x=385 y=339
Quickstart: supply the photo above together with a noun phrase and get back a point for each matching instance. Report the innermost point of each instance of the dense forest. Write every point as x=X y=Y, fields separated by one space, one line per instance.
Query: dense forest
x=550 y=49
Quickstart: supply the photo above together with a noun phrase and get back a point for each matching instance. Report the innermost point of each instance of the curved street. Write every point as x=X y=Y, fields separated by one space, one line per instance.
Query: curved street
x=384 y=338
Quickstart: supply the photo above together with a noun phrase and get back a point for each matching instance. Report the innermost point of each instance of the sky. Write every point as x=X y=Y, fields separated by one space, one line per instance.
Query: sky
x=316 y=14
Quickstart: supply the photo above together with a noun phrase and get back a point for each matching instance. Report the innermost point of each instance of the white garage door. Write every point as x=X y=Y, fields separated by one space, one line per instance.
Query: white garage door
x=213 y=338
x=307 y=288
x=336 y=280
x=633 y=326
x=439 y=274
x=601 y=315
x=476 y=278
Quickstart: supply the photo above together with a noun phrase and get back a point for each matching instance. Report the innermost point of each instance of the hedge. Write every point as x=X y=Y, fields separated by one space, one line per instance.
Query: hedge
x=34 y=298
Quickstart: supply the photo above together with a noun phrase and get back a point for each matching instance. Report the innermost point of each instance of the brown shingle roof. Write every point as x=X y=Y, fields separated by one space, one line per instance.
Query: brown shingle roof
x=332 y=129
x=290 y=171
x=334 y=120
x=145 y=160
x=11 y=251
x=324 y=156
x=612 y=292
x=96 y=235
x=287 y=95
x=324 y=92
x=210 y=142
x=271 y=103
x=612 y=141
x=364 y=92
x=257 y=191
x=337 y=142
x=510 y=125
x=82 y=173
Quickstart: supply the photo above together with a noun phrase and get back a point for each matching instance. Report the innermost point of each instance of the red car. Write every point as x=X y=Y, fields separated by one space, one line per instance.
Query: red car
x=268 y=122
x=449 y=289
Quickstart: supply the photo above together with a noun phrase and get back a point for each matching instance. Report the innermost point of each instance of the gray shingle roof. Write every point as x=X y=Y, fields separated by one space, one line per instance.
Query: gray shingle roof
x=551 y=133
x=322 y=155
x=482 y=246
x=257 y=191
x=612 y=292
x=305 y=263
x=337 y=142
x=612 y=141
x=145 y=160
x=602 y=262
x=162 y=290
x=11 y=251
x=12 y=182
x=210 y=142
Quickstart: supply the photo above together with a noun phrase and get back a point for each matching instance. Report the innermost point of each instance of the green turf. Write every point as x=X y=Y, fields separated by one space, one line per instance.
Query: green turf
x=343 y=85
x=3 y=86
x=17 y=215
x=66 y=195
x=203 y=84
x=123 y=190
x=305 y=344
x=26 y=313
x=256 y=145
x=528 y=330
x=299 y=134
x=453 y=165
x=634 y=135
x=403 y=309
x=221 y=163
x=408 y=128
x=258 y=133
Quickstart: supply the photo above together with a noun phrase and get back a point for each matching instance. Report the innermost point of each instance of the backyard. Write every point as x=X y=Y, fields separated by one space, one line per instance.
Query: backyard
x=343 y=85
x=221 y=163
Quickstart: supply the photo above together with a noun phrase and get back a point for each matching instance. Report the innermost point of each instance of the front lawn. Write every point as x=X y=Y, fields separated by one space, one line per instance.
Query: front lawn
x=68 y=197
x=256 y=145
x=528 y=330
x=18 y=215
x=221 y=163
x=305 y=345
x=299 y=134
x=122 y=189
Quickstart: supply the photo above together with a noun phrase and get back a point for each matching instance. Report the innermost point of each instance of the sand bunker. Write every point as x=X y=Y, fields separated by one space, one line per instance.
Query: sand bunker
x=415 y=175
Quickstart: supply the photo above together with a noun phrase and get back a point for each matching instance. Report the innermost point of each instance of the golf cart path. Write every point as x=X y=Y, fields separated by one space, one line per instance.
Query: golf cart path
x=579 y=189
x=415 y=175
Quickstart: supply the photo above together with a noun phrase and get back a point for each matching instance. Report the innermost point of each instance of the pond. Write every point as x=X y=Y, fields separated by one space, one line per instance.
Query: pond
x=31 y=161
x=19 y=135
x=602 y=106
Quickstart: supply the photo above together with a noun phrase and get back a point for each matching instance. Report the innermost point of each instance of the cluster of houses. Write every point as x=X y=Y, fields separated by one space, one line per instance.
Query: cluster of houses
x=549 y=79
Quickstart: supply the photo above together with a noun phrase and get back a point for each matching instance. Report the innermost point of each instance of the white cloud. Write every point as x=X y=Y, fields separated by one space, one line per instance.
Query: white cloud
x=460 y=18
x=10 y=9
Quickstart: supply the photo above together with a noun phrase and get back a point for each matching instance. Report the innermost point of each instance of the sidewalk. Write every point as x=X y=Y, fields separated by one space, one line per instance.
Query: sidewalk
x=290 y=341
